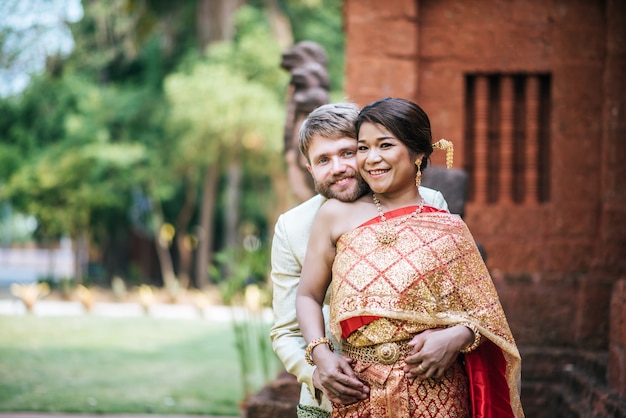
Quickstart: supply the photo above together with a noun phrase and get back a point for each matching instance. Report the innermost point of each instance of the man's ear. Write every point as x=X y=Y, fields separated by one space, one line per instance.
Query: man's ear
x=308 y=167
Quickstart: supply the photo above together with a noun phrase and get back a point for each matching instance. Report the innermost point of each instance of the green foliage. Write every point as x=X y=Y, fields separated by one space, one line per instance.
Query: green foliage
x=129 y=41
x=225 y=108
x=236 y=268
x=36 y=118
x=87 y=167
x=241 y=277
x=254 y=53
x=228 y=100
x=136 y=112
x=257 y=360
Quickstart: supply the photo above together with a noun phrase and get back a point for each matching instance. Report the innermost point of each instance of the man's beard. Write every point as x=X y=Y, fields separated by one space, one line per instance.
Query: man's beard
x=348 y=195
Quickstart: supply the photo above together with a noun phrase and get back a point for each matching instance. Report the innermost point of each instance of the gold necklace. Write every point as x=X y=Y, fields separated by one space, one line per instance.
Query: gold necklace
x=386 y=234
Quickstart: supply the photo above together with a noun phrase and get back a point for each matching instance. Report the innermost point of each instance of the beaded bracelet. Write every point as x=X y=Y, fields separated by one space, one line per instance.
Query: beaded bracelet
x=314 y=343
x=477 y=338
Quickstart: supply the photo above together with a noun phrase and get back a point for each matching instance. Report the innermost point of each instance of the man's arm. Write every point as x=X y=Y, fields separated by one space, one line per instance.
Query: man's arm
x=287 y=339
x=285 y=334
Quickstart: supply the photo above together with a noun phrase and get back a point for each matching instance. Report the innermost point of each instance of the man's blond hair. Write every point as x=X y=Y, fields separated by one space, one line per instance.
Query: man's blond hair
x=332 y=121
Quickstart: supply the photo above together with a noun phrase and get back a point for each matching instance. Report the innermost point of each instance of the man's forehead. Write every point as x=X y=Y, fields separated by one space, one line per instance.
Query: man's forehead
x=326 y=147
x=330 y=145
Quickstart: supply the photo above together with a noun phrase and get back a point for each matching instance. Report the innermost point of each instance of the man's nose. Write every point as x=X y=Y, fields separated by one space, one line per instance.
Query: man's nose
x=338 y=165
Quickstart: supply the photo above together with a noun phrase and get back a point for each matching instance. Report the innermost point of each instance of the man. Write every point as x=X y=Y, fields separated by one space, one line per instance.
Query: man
x=327 y=139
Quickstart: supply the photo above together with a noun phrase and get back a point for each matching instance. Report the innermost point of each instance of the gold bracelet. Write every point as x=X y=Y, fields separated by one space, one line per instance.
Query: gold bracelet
x=314 y=343
x=477 y=338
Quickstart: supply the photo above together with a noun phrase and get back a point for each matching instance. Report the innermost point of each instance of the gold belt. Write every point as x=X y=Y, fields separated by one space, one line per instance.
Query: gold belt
x=384 y=353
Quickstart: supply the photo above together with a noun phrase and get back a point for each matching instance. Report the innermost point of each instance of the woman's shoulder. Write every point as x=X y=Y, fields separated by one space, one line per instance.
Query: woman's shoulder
x=347 y=215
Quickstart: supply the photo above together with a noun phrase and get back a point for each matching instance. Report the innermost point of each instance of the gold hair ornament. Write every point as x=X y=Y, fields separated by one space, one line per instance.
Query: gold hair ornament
x=446 y=145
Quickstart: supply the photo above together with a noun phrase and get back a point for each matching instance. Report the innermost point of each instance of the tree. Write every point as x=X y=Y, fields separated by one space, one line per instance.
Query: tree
x=93 y=137
x=78 y=173
x=228 y=110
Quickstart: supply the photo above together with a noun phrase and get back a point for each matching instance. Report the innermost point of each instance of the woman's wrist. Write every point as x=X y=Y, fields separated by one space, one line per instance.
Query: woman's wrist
x=473 y=345
x=308 y=352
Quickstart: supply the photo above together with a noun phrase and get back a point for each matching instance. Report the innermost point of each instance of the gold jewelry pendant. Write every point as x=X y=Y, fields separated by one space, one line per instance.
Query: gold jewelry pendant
x=385 y=235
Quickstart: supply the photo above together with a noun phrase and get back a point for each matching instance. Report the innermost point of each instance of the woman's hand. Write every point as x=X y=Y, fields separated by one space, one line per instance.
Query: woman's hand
x=434 y=350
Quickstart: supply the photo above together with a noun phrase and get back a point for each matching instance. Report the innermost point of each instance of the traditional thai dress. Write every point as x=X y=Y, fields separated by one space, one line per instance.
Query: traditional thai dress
x=431 y=276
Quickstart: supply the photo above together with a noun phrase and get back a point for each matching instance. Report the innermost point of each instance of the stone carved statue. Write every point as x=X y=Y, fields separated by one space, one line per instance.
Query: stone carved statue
x=306 y=61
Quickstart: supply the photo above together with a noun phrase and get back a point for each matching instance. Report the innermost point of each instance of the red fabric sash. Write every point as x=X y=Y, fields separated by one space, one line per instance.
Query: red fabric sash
x=489 y=390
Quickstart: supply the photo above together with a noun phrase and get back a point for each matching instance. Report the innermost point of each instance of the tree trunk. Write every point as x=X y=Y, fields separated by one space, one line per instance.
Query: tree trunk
x=281 y=28
x=81 y=255
x=162 y=248
x=205 y=234
x=182 y=233
x=214 y=20
x=233 y=193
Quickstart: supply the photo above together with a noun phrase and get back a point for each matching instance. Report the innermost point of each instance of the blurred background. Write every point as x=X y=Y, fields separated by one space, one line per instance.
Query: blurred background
x=143 y=139
x=141 y=172
x=146 y=149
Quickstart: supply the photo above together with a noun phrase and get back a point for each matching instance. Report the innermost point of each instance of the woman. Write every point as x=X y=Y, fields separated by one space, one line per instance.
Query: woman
x=409 y=288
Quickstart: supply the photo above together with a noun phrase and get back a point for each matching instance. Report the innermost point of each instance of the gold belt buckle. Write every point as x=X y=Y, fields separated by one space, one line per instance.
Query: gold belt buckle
x=388 y=353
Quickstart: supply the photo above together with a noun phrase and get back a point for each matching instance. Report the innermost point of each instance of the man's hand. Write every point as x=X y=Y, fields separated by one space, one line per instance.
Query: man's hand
x=336 y=379
x=435 y=350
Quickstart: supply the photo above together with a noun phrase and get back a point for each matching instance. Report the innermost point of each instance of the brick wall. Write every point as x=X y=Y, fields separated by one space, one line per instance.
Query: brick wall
x=423 y=50
x=554 y=261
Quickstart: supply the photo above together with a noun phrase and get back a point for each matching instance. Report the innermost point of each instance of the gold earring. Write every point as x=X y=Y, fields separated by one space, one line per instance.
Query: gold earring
x=418 y=175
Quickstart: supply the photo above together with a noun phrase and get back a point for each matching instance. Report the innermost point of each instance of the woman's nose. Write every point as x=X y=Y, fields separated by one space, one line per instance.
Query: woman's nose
x=373 y=156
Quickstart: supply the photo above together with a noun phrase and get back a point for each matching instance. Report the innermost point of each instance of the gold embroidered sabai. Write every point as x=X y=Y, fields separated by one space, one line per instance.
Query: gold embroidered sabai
x=431 y=276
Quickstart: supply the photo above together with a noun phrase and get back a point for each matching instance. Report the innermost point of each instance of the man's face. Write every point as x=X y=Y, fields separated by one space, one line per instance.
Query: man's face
x=334 y=170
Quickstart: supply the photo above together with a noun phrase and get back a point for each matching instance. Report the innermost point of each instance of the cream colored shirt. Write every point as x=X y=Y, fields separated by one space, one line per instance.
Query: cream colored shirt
x=291 y=235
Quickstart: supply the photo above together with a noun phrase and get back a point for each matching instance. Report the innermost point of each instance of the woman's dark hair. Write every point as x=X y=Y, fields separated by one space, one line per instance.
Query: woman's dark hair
x=404 y=119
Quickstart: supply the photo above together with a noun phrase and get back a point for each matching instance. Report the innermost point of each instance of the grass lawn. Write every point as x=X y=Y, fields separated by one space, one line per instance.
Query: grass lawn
x=138 y=365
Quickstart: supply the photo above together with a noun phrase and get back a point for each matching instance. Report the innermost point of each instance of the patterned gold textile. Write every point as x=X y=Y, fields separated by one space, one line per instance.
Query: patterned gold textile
x=431 y=276
x=392 y=395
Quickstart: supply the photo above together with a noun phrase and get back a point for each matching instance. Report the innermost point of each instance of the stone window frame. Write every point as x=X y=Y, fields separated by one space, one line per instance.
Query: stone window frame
x=507 y=137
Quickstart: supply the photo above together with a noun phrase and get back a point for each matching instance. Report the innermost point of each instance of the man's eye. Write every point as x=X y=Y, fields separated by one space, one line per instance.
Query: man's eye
x=349 y=153
x=322 y=161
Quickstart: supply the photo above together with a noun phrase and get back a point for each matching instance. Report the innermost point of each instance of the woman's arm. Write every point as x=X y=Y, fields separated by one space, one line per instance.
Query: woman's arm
x=316 y=276
x=334 y=371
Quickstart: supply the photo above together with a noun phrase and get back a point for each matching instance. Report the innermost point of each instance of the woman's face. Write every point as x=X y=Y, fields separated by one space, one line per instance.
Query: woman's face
x=384 y=162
